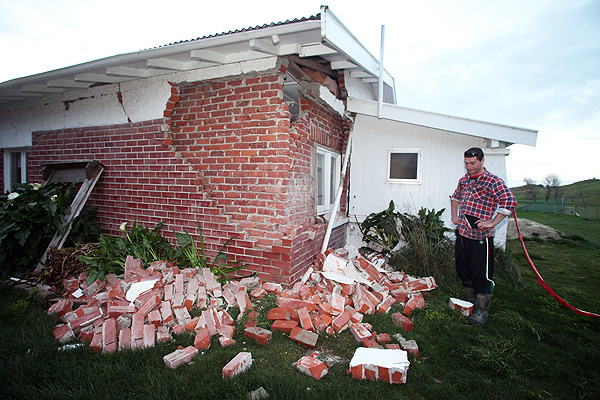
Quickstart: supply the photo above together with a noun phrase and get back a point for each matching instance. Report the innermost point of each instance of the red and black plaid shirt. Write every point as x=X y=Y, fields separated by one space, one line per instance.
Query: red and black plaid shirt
x=482 y=197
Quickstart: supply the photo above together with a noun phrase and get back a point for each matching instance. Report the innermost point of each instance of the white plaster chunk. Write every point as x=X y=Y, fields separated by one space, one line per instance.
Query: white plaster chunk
x=138 y=288
x=387 y=358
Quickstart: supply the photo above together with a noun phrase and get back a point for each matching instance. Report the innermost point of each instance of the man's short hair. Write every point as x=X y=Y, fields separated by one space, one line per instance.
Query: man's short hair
x=475 y=152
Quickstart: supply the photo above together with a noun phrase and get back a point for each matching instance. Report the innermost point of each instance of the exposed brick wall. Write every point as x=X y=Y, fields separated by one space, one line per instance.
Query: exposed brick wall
x=223 y=155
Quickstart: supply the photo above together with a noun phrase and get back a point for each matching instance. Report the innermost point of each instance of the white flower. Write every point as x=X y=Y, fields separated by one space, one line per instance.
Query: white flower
x=123 y=227
x=35 y=186
x=13 y=195
x=53 y=198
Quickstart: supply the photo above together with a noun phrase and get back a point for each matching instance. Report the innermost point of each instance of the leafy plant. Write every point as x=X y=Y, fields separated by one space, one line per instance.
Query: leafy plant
x=381 y=229
x=188 y=254
x=30 y=216
x=143 y=243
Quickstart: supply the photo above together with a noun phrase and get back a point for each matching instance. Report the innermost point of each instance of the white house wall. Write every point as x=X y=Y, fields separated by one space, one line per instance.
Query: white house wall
x=143 y=100
x=441 y=167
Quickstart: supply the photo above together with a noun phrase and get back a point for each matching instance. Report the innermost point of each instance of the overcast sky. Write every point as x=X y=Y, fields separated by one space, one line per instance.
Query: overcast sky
x=526 y=63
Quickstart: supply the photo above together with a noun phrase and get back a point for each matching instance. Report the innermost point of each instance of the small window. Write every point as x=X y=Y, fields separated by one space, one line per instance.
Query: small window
x=404 y=166
x=15 y=168
x=328 y=178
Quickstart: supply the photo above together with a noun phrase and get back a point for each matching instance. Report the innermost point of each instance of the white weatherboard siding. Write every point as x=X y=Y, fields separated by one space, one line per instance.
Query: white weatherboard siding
x=441 y=167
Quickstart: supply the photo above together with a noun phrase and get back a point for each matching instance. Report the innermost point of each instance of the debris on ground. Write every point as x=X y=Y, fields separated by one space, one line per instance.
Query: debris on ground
x=465 y=307
x=390 y=366
x=144 y=306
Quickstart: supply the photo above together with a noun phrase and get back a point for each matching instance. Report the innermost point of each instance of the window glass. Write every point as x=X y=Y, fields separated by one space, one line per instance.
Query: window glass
x=327 y=177
x=320 y=179
x=15 y=168
x=404 y=166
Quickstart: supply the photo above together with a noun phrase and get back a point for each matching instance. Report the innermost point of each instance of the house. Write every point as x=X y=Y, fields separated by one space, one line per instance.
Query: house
x=243 y=133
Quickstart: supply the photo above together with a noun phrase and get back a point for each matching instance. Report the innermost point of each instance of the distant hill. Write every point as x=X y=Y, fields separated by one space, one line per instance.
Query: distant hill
x=590 y=188
x=585 y=195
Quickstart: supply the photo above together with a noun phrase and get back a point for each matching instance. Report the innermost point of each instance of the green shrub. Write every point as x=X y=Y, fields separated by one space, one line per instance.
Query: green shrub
x=30 y=216
x=143 y=243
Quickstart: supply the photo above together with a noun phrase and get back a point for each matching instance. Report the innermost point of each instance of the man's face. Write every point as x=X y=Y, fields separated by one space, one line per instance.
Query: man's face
x=473 y=165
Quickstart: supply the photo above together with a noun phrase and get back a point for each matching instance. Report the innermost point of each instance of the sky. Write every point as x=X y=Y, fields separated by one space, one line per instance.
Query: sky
x=532 y=64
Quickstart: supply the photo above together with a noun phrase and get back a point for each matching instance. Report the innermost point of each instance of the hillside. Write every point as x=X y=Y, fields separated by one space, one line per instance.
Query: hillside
x=584 y=195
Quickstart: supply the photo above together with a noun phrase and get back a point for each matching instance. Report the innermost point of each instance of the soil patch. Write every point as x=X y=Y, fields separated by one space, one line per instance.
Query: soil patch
x=531 y=230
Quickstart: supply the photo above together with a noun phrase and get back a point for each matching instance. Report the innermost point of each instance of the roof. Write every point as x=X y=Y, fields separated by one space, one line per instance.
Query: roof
x=487 y=130
x=321 y=35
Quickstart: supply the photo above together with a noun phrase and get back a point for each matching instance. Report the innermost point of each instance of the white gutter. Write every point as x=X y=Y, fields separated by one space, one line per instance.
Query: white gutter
x=380 y=81
x=340 y=38
x=338 y=194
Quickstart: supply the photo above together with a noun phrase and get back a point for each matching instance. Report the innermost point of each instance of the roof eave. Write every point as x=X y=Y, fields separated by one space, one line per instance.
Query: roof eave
x=487 y=130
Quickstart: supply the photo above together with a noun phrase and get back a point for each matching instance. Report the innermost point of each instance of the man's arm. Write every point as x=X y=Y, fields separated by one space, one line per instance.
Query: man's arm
x=454 y=203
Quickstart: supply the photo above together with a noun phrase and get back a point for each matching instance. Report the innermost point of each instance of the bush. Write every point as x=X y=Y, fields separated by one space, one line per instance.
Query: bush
x=29 y=218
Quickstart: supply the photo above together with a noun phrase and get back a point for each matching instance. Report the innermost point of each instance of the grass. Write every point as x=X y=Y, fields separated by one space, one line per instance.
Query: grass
x=531 y=348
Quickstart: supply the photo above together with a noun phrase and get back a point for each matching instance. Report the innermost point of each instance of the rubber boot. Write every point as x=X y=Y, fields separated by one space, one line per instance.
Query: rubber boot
x=469 y=295
x=482 y=304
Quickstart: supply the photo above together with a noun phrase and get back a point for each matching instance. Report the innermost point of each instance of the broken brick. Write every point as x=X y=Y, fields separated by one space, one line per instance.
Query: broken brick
x=387 y=365
x=465 y=307
x=261 y=335
x=240 y=363
x=304 y=337
x=401 y=321
x=283 y=325
x=312 y=366
x=180 y=356
x=202 y=339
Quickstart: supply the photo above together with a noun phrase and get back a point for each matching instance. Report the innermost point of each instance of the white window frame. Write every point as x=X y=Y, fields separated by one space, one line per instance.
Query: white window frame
x=331 y=179
x=417 y=151
x=8 y=183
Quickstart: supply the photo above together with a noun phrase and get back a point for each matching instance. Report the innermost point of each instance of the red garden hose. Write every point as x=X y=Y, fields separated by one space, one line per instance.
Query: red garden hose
x=544 y=284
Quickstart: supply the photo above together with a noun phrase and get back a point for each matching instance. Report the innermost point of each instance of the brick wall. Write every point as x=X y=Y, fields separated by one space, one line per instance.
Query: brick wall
x=224 y=155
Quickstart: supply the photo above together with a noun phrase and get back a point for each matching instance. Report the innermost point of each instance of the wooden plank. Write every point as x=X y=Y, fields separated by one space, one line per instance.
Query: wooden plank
x=93 y=171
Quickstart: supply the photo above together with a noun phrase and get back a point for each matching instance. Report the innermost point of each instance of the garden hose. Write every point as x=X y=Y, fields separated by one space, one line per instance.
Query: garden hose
x=544 y=284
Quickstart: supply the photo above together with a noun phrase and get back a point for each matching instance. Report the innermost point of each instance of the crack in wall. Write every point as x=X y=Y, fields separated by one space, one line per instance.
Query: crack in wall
x=120 y=99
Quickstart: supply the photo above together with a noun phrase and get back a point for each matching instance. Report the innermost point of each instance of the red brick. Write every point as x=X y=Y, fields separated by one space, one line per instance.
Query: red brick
x=312 y=366
x=403 y=322
x=179 y=357
x=278 y=313
x=202 y=339
x=304 y=337
x=284 y=326
x=261 y=335
x=240 y=363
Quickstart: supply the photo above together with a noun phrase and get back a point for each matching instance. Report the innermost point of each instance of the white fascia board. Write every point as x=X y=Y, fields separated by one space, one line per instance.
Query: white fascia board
x=335 y=34
x=487 y=130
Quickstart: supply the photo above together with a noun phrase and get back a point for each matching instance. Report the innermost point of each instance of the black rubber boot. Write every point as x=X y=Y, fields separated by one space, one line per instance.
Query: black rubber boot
x=482 y=304
x=469 y=295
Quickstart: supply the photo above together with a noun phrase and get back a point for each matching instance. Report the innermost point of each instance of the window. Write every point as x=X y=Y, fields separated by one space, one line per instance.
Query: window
x=328 y=178
x=404 y=166
x=15 y=168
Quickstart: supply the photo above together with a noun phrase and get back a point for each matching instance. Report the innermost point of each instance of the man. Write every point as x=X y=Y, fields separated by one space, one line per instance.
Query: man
x=479 y=203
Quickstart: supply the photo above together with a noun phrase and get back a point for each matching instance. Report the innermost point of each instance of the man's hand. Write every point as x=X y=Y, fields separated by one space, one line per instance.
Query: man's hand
x=455 y=219
x=481 y=224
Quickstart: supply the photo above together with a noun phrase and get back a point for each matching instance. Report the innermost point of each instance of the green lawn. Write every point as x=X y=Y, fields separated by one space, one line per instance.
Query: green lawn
x=531 y=348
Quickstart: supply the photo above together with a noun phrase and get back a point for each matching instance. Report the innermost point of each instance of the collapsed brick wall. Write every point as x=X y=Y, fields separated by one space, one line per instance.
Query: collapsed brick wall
x=224 y=155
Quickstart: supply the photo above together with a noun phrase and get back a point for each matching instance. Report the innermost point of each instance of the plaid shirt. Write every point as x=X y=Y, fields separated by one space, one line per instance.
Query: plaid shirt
x=482 y=197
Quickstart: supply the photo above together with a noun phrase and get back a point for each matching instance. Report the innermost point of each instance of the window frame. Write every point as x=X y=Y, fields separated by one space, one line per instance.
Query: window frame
x=329 y=186
x=8 y=168
x=418 y=152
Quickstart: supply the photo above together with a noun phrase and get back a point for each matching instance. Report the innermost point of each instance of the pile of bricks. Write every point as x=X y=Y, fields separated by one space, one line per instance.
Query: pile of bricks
x=115 y=315
x=149 y=305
